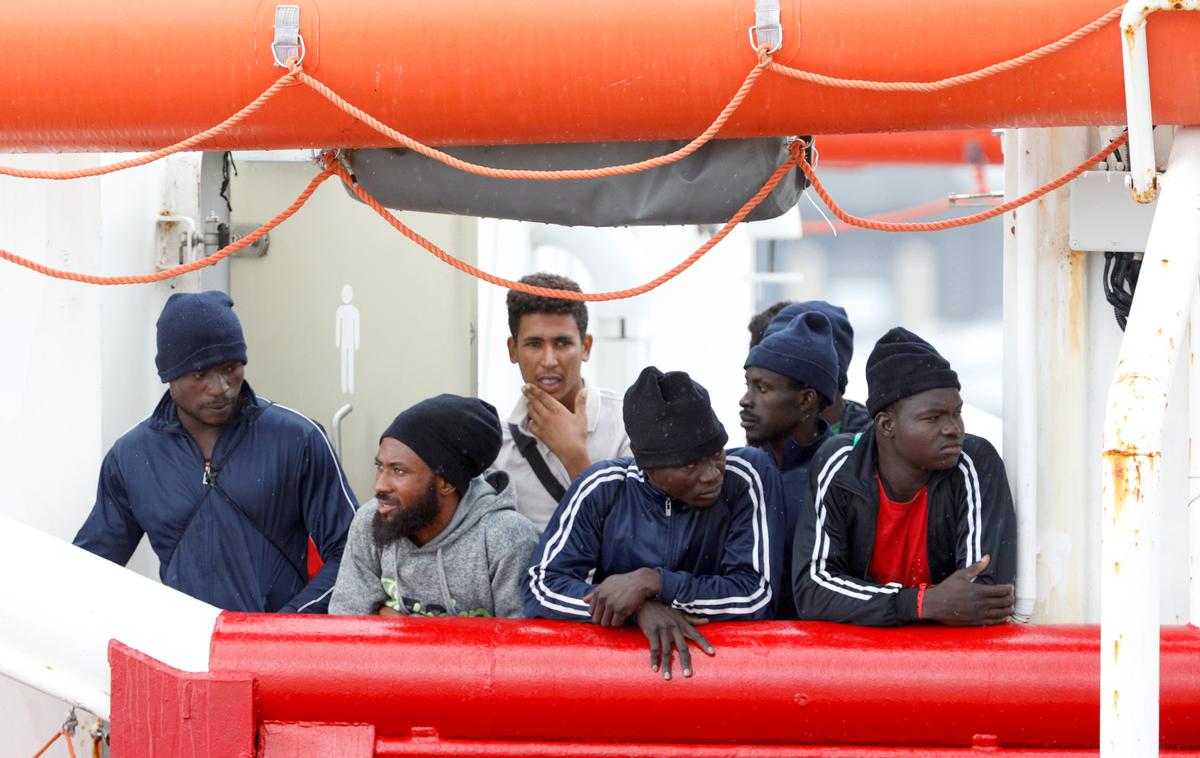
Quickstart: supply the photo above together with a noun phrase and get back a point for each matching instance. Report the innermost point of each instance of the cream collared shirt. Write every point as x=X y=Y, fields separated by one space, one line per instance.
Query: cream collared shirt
x=606 y=438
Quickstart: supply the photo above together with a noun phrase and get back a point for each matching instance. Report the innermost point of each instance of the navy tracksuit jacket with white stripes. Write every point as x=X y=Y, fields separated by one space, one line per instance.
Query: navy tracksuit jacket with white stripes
x=236 y=535
x=721 y=562
x=970 y=515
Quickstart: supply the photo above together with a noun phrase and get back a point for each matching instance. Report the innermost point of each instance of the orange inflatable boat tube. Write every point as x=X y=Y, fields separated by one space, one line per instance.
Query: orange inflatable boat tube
x=81 y=75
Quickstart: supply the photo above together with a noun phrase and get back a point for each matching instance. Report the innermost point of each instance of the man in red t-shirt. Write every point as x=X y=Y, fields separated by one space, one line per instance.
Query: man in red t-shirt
x=911 y=520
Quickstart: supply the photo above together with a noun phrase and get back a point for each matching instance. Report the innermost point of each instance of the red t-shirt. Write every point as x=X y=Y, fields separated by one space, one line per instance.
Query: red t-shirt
x=900 y=553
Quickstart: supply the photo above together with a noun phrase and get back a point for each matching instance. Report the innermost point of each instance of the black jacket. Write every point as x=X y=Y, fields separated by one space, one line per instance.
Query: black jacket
x=854 y=418
x=970 y=515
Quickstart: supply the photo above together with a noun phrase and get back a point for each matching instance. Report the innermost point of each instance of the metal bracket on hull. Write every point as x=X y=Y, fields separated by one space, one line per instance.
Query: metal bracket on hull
x=288 y=43
x=767 y=29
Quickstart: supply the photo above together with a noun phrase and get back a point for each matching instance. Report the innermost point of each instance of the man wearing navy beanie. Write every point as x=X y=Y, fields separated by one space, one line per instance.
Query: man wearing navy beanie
x=228 y=486
x=843 y=415
x=791 y=376
x=912 y=520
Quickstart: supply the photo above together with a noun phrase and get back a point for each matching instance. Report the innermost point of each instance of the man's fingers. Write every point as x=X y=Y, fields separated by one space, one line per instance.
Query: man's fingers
x=696 y=620
x=700 y=641
x=685 y=655
x=654 y=649
x=979 y=567
x=607 y=618
x=664 y=652
x=597 y=608
x=994 y=590
x=538 y=399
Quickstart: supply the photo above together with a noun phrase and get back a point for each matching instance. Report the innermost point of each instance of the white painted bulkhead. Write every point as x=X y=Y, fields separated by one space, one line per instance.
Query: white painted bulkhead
x=78 y=360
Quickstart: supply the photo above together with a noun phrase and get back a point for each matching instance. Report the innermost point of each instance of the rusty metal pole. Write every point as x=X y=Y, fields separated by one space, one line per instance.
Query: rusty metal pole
x=1132 y=460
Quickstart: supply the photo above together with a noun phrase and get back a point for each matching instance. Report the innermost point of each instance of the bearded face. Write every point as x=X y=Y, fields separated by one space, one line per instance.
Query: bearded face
x=395 y=518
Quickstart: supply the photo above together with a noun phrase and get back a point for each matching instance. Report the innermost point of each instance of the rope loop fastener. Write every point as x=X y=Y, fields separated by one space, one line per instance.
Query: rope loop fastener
x=767 y=30
x=288 y=43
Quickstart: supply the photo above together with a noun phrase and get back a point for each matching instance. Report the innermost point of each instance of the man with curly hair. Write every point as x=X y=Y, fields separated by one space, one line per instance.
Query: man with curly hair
x=559 y=425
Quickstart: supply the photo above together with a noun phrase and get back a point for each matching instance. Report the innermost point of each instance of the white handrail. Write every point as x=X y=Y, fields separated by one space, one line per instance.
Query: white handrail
x=60 y=605
x=1136 y=61
x=1132 y=461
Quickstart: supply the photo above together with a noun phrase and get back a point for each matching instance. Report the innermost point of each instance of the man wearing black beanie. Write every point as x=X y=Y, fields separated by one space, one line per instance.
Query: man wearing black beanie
x=442 y=536
x=228 y=486
x=912 y=519
x=678 y=535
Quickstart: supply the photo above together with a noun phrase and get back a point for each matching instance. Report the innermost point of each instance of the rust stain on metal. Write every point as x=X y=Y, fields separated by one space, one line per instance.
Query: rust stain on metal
x=1148 y=196
x=1075 y=306
x=1116 y=650
x=1116 y=699
x=1126 y=475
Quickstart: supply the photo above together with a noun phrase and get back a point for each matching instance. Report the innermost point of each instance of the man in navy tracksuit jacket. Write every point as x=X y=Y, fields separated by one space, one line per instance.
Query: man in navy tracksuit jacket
x=227 y=486
x=791 y=376
x=678 y=535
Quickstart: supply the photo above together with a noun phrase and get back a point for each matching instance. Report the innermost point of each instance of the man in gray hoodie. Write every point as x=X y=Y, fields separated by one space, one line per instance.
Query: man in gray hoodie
x=442 y=536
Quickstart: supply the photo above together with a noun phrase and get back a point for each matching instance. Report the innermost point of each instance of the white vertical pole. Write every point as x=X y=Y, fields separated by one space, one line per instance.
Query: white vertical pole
x=1030 y=154
x=1131 y=462
x=1194 y=464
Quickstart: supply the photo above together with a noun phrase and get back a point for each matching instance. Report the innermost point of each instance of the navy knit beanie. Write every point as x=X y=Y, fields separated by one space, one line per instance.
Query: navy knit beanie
x=802 y=351
x=670 y=420
x=457 y=437
x=197 y=331
x=902 y=365
x=843 y=333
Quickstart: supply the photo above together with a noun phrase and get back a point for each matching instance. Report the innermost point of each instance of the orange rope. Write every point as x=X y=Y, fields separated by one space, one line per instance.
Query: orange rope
x=902 y=214
x=49 y=742
x=141 y=160
x=936 y=226
x=529 y=174
x=66 y=737
x=186 y=268
x=952 y=81
x=750 y=204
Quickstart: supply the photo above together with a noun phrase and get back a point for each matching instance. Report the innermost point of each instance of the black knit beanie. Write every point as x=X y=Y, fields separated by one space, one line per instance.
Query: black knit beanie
x=802 y=351
x=902 y=365
x=457 y=437
x=670 y=420
x=197 y=331
x=843 y=332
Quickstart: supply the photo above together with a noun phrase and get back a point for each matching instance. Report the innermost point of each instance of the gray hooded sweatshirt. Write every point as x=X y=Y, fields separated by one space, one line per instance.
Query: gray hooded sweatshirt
x=473 y=568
